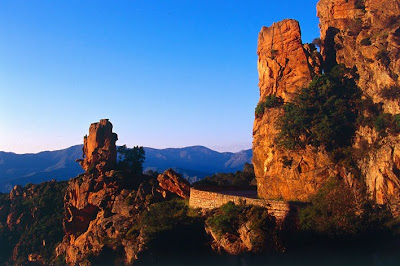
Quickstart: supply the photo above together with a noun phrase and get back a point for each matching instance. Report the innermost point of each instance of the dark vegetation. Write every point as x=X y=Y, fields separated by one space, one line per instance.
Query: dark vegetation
x=226 y=221
x=39 y=228
x=240 y=180
x=270 y=101
x=174 y=233
x=323 y=114
x=337 y=212
x=391 y=93
x=327 y=113
x=131 y=160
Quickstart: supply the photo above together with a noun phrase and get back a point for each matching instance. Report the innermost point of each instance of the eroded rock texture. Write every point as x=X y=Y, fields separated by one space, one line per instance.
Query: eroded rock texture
x=285 y=65
x=99 y=208
x=363 y=35
x=103 y=207
x=99 y=148
x=174 y=183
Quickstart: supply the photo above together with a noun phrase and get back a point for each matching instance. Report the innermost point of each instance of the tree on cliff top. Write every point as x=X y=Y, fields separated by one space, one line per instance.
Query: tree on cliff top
x=131 y=160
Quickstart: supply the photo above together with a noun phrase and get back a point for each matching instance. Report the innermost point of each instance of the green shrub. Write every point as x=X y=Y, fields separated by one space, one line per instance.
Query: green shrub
x=382 y=122
x=271 y=101
x=336 y=212
x=131 y=160
x=230 y=217
x=365 y=42
x=226 y=219
x=323 y=114
x=163 y=216
x=45 y=208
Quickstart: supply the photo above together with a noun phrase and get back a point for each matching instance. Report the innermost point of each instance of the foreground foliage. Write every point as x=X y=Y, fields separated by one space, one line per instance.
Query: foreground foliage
x=38 y=228
x=337 y=212
x=229 y=218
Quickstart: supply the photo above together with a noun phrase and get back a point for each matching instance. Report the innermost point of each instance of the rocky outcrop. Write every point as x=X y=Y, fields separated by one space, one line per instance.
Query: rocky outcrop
x=98 y=214
x=363 y=35
x=174 y=183
x=99 y=148
x=98 y=210
x=103 y=206
x=285 y=65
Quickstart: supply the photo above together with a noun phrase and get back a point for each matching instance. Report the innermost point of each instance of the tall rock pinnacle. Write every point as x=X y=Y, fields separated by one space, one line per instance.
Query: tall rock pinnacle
x=99 y=149
x=285 y=65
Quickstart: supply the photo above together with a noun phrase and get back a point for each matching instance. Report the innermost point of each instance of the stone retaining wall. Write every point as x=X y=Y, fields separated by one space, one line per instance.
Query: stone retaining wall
x=209 y=200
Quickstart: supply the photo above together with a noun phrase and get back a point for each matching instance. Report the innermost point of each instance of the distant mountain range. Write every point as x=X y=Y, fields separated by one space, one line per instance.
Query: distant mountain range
x=194 y=163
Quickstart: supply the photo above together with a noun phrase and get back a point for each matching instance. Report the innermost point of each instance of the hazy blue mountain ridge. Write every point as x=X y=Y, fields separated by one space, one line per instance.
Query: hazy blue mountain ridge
x=194 y=163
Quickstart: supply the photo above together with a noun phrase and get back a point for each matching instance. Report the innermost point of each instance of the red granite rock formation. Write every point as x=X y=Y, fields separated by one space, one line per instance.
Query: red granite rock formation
x=99 y=149
x=174 y=183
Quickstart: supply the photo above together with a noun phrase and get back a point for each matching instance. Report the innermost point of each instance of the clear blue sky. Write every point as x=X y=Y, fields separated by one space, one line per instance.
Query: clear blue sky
x=166 y=73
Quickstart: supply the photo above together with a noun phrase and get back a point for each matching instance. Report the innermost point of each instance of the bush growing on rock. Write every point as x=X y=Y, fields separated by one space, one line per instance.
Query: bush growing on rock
x=232 y=221
x=322 y=114
x=271 y=101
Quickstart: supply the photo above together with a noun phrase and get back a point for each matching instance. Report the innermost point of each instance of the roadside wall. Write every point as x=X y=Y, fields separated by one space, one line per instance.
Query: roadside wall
x=209 y=200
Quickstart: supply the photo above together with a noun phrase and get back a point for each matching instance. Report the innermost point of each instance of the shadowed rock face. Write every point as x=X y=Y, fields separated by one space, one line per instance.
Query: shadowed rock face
x=99 y=149
x=366 y=35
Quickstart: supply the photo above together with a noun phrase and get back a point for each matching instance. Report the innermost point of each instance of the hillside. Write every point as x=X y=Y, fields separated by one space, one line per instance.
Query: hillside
x=195 y=162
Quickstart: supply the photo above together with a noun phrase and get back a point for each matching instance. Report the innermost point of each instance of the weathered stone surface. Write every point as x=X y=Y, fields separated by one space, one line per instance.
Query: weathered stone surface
x=358 y=36
x=174 y=183
x=285 y=65
x=364 y=35
x=345 y=25
x=100 y=205
x=99 y=149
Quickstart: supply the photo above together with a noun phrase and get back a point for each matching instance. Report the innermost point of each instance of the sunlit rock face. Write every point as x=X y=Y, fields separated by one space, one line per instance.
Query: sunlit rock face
x=363 y=35
x=97 y=212
x=174 y=183
x=285 y=65
x=99 y=148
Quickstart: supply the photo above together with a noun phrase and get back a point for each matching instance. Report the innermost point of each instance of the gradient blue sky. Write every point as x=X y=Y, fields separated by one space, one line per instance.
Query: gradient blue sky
x=166 y=73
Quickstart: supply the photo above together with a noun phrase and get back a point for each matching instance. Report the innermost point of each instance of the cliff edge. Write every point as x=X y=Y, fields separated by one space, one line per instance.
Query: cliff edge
x=362 y=35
